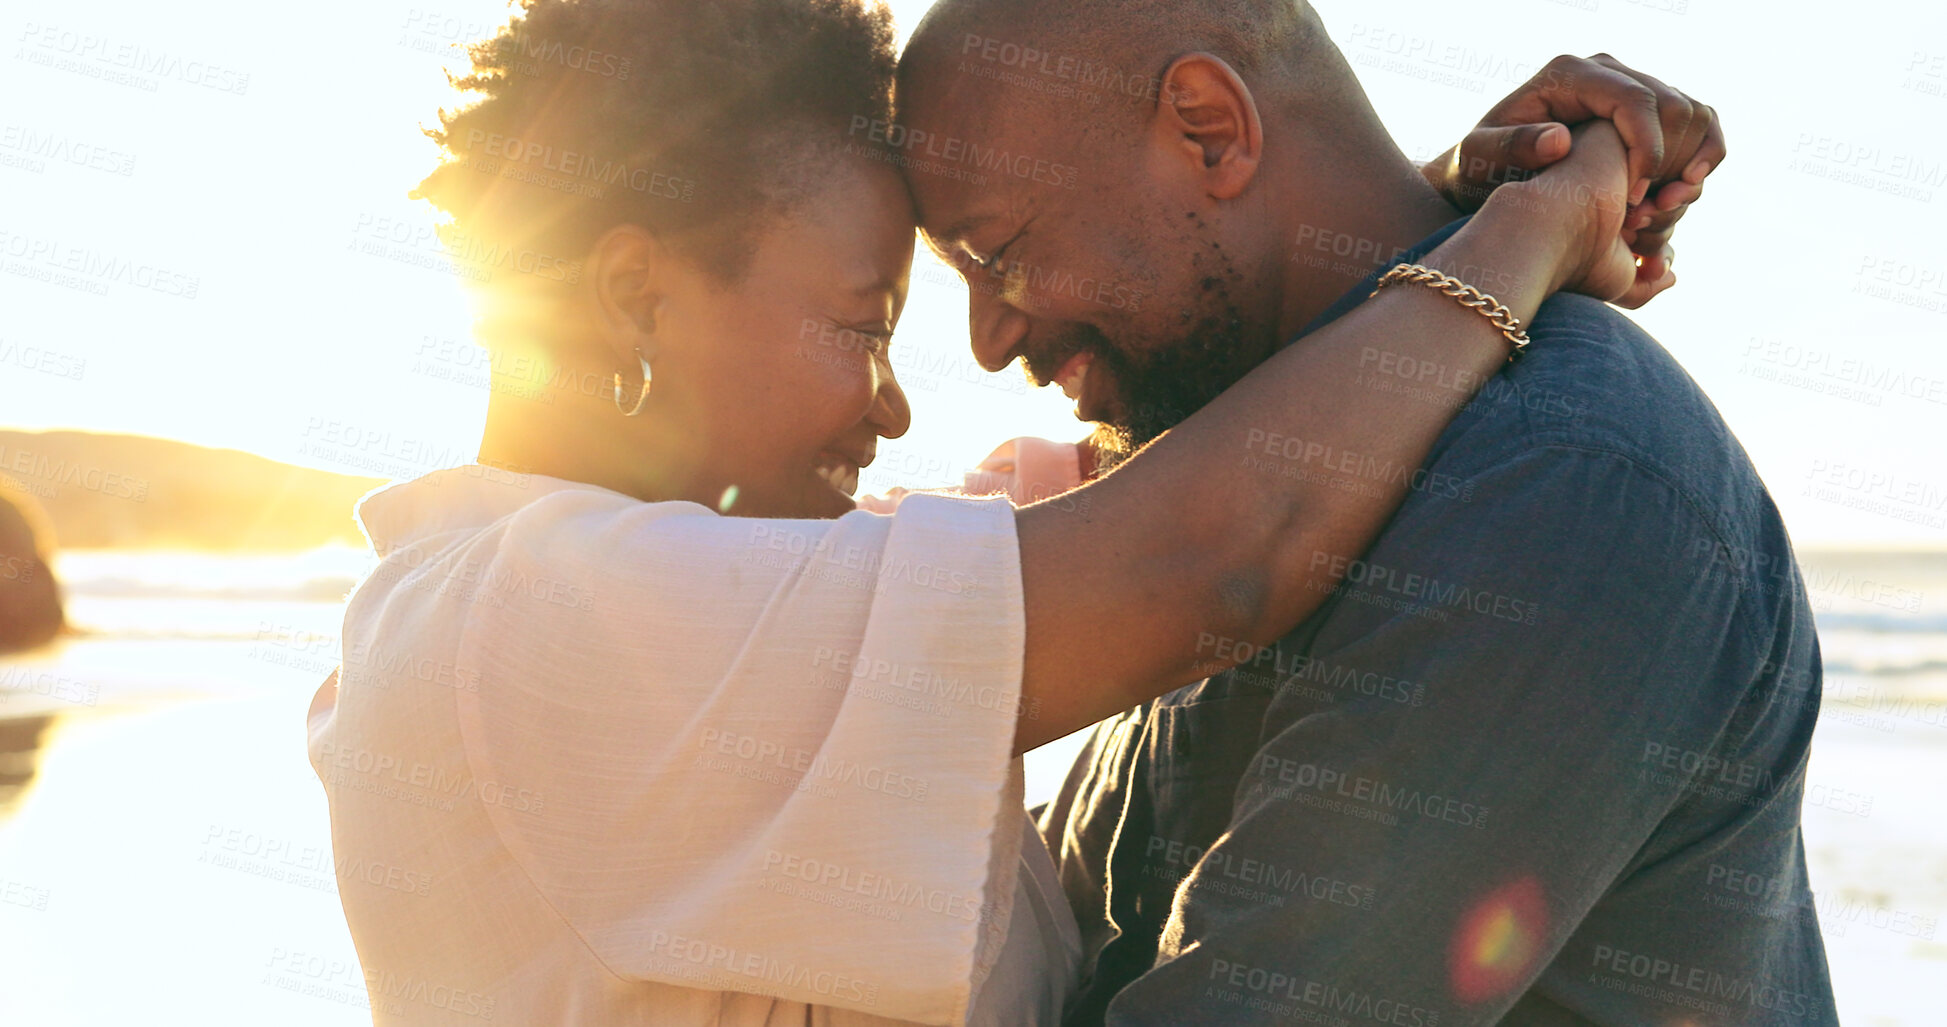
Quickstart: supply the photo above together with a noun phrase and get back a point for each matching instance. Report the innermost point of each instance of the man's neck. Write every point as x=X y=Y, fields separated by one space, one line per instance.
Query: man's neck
x=1354 y=219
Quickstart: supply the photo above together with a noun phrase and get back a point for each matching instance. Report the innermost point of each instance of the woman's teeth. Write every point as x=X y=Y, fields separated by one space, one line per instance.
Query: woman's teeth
x=842 y=476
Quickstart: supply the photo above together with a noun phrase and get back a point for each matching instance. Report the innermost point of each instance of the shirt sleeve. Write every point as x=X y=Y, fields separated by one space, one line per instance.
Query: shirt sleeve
x=765 y=756
x=1417 y=847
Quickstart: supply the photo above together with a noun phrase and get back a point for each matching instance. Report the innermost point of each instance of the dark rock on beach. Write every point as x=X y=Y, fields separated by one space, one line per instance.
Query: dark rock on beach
x=30 y=599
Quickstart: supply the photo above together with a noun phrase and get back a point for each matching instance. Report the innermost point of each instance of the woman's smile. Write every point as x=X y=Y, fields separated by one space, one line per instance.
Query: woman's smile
x=841 y=470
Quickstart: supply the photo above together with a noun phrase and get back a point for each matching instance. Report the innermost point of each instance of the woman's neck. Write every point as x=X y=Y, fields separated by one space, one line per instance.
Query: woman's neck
x=561 y=433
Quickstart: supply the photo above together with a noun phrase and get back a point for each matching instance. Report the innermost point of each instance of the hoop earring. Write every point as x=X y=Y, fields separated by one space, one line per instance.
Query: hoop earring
x=642 y=397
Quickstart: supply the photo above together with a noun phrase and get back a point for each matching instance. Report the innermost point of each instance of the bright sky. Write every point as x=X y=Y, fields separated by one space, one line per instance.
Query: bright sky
x=242 y=157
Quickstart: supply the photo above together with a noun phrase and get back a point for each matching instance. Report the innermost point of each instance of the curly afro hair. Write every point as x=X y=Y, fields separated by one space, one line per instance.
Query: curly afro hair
x=702 y=121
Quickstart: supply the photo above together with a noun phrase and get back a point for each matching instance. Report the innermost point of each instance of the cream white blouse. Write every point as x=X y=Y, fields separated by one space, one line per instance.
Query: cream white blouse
x=599 y=761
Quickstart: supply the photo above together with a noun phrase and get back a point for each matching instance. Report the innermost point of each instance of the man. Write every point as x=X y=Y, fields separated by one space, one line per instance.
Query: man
x=1540 y=759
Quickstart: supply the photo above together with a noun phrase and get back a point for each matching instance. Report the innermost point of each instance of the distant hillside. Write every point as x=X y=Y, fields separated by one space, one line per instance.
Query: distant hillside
x=135 y=492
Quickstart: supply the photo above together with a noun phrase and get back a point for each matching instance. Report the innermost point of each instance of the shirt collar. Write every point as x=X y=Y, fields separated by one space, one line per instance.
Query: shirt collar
x=465 y=498
x=1363 y=291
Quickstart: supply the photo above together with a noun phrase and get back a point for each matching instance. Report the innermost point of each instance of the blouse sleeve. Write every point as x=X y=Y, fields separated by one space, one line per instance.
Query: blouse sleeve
x=767 y=756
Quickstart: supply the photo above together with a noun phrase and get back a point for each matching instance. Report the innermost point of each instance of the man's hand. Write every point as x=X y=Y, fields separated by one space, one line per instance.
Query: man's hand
x=1674 y=144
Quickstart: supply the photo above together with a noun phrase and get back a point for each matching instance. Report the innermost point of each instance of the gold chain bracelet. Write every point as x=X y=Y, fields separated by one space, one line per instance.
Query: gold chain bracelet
x=1465 y=294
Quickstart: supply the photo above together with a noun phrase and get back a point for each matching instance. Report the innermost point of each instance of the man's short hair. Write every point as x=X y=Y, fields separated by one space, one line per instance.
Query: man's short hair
x=1279 y=46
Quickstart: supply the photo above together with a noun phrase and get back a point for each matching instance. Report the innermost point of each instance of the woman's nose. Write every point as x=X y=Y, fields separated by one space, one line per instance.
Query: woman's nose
x=891 y=416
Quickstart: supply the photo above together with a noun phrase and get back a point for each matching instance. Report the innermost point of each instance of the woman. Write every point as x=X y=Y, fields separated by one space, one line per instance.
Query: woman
x=640 y=722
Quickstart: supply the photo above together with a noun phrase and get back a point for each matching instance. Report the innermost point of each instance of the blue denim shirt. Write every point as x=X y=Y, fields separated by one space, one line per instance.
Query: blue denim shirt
x=1539 y=760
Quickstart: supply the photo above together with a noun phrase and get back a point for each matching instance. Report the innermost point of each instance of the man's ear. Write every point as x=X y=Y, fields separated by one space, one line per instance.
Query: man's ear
x=627 y=272
x=1205 y=113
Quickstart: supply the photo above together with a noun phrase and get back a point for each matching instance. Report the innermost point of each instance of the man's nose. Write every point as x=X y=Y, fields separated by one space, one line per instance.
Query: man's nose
x=995 y=326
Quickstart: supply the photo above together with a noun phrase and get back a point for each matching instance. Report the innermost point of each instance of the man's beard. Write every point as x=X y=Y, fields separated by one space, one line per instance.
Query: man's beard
x=1156 y=390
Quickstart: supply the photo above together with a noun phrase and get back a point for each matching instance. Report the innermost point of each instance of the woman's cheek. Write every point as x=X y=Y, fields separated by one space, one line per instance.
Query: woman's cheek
x=848 y=381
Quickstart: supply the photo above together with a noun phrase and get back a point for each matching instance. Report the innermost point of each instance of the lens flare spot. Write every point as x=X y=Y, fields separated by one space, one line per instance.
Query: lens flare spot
x=1498 y=941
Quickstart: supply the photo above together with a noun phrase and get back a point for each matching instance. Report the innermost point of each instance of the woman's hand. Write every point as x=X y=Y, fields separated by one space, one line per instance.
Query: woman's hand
x=1674 y=143
x=1580 y=204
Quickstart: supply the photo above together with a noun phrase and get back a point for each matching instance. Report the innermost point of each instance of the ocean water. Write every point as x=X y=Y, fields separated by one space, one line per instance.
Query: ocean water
x=165 y=855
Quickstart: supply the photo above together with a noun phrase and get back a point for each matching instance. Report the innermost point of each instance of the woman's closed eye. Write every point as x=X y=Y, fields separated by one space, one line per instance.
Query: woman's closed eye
x=873 y=339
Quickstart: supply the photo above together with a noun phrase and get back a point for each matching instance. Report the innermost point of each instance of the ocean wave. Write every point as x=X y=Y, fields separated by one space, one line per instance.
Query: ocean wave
x=1885 y=670
x=1884 y=623
x=167 y=633
x=331 y=589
